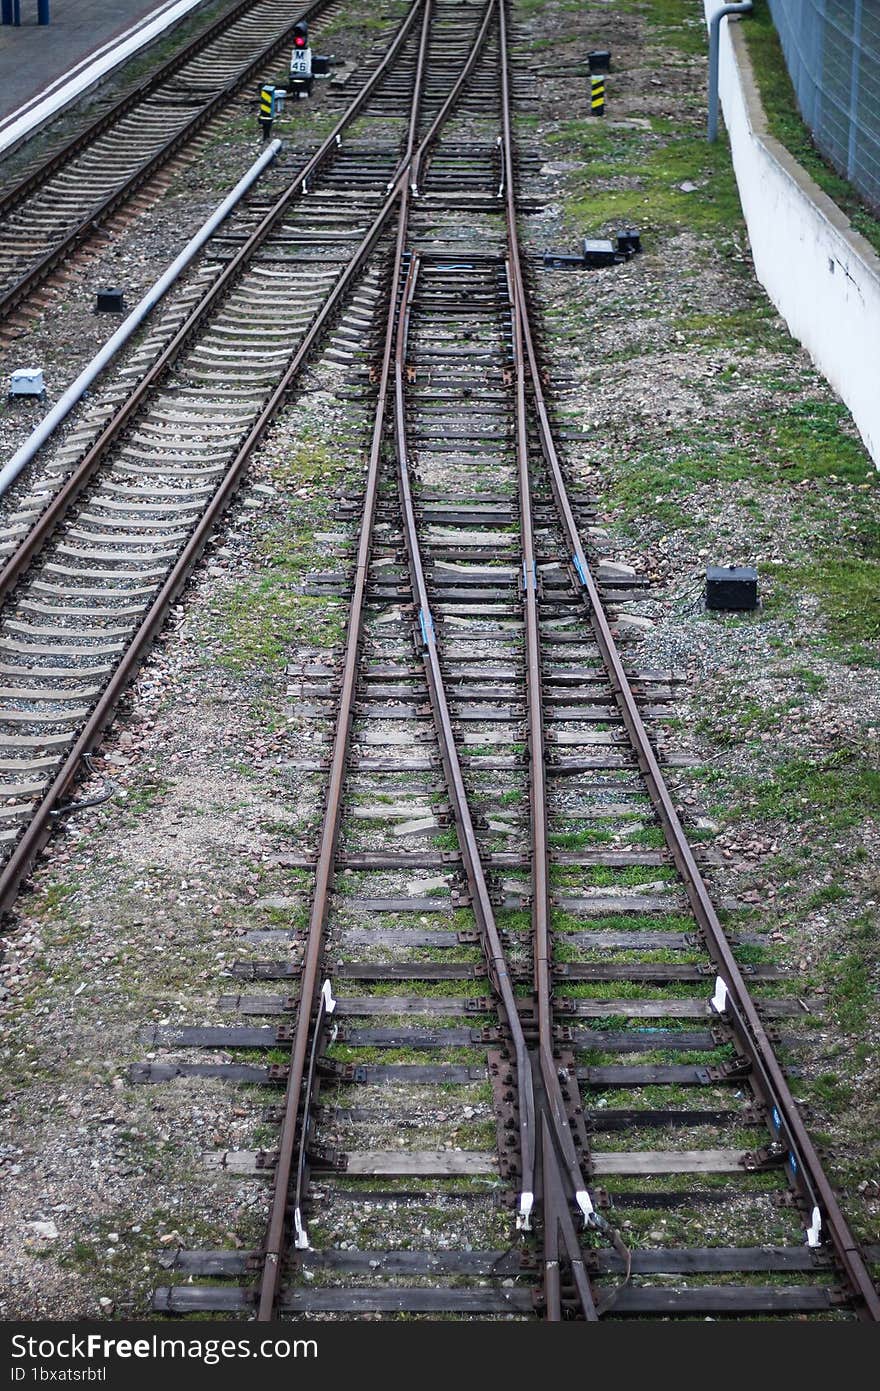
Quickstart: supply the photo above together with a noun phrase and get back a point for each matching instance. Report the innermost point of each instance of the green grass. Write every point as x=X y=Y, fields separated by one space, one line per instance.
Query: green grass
x=757 y=324
x=839 y=788
x=832 y=540
x=657 y=202
x=848 y=590
x=261 y=618
x=670 y=23
x=785 y=123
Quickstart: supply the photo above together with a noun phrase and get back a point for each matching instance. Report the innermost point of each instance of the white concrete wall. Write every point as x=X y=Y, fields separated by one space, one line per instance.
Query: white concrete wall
x=822 y=276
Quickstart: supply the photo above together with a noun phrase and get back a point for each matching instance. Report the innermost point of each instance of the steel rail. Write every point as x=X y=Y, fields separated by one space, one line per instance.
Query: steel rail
x=55 y=510
x=295 y=1137
x=558 y=1143
x=557 y=1220
x=13 y=296
x=784 y=1118
x=496 y=961
x=39 y=827
x=291 y=1132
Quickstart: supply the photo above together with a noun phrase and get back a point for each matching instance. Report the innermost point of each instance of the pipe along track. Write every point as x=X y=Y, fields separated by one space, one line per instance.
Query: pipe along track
x=464 y=480
x=46 y=214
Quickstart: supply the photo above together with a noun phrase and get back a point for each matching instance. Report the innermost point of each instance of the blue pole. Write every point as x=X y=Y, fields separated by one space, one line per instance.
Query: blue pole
x=6 y=11
x=16 y=11
x=42 y=11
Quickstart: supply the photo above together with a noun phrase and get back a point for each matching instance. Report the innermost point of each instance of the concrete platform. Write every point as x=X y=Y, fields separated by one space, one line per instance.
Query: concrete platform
x=55 y=61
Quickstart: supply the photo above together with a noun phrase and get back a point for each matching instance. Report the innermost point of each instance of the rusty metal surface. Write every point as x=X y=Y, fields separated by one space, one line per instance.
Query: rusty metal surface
x=293 y=1129
x=490 y=939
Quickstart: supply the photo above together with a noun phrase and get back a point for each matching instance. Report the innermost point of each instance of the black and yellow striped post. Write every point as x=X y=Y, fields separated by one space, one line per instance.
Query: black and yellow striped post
x=267 y=110
x=597 y=95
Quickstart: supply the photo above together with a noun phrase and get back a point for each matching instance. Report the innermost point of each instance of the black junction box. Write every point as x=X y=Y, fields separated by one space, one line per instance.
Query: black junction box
x=320 y=65
x=109 y=302
x=629 y=241
x=599 y=60
x=599 y=253
x=731 y=587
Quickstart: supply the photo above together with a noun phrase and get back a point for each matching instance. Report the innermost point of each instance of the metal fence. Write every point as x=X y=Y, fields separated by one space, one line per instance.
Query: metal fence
x=832 y=48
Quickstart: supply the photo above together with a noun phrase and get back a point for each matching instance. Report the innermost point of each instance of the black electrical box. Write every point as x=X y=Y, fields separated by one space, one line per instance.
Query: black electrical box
x=629 y=242
x=109 y=302
x=320 y=65
x=731 y=587
x=599 y=253
x=599 y=60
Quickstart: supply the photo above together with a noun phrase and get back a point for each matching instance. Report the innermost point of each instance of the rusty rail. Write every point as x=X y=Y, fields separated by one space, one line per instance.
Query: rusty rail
x=39 y=827
x=293 y=1128
x=496 y=961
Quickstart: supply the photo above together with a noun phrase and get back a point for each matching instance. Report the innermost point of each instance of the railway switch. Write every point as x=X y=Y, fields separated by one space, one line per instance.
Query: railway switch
x=563 y=260
x=597 y=253
x=109 y=302
x=731 y=588
x=27 y=381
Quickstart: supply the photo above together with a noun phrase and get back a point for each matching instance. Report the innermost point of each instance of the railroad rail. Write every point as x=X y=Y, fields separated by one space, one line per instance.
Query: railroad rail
x=89 y=575
x=56 y=206
x=466 y=485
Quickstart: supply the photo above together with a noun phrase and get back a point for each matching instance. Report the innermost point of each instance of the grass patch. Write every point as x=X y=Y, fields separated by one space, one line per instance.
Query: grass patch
x=839 y=789
x=637 y=174
x=848 y=590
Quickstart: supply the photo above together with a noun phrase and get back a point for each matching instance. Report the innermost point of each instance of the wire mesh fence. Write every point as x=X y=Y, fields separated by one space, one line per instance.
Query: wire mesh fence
x=832 y=48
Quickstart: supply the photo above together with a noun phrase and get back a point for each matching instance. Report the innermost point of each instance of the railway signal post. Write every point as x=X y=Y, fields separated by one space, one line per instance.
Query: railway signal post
x=300 y=83
x=268 y=109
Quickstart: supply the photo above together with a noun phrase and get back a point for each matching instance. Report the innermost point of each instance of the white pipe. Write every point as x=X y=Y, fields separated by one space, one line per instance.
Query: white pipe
x=65 y=403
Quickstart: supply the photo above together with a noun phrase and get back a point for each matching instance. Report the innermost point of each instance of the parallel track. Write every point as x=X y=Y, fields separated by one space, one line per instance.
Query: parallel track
x=46 y=214
x=90 y=572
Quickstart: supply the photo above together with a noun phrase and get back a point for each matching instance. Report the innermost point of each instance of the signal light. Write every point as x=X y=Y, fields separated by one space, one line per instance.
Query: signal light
x=301 y=34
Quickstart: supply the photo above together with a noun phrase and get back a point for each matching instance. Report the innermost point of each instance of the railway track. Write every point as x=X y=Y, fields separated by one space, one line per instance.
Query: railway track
x=514 y=1030
x=56 y=206
x=93 y=558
